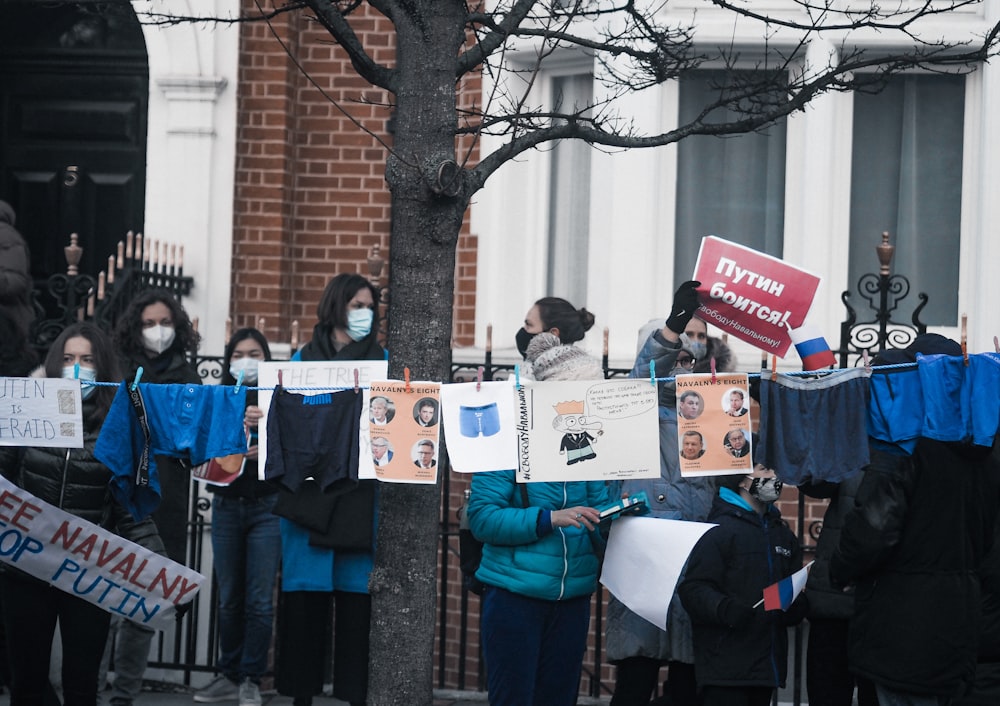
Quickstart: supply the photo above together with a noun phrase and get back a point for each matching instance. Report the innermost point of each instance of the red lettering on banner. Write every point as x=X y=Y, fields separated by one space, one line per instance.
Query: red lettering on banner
x=85 y=547
x=103 y=557
x=63 y=532
x=161 y=577
x=185 y=589
x=21 y=510
x=134 y=579
x=124 y=567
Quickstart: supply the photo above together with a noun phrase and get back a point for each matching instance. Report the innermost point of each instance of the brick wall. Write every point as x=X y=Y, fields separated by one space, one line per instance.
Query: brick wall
x=311 y=200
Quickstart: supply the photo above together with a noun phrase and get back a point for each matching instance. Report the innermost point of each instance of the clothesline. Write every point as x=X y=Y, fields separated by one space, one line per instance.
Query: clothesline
x=752 y=376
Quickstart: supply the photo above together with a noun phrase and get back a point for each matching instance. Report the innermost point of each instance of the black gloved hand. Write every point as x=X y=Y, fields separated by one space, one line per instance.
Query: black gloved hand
x=735 y=614
x=685 y=304
x=182 y=609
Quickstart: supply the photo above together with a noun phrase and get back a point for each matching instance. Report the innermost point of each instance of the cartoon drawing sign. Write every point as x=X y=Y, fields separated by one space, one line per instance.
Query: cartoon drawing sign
x=403 y=423
x=752 y=295
x=91 y=563
x=713 y=428
x=40 y=412
x=579 y=430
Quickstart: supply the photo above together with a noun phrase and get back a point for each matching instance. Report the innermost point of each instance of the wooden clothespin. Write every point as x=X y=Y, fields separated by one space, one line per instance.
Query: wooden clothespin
x=281 y=378
x=406 y=379
x=138 y=377
x=965 y=340
x=864 y=357
x=357 y=386
x=711 y=363
x=239 y=383
x=479 y=378
x=996 y=344
x=774 y=368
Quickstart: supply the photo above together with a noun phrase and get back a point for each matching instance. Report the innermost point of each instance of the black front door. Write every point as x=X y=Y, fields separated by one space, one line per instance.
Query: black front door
x=74 y=85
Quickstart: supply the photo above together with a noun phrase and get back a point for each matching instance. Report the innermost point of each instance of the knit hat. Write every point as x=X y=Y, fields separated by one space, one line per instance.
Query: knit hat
x=551 y=360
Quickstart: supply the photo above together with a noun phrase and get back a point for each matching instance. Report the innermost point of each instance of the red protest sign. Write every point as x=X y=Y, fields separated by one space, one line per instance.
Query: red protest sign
x=751 y=295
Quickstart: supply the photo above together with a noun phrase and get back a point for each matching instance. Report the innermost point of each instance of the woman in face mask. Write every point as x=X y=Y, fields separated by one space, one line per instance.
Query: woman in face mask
x=556 y=316
x=246 y=544
x=156 y=334
x=345 y=331
x=76 y=482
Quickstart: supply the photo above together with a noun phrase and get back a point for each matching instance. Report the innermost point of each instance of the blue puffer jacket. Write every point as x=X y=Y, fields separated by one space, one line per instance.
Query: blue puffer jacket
x=557 y=566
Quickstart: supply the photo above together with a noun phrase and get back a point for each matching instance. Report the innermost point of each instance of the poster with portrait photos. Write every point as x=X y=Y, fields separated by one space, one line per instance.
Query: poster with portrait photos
x=586 y=430
x=404 y=422
x=713 y=424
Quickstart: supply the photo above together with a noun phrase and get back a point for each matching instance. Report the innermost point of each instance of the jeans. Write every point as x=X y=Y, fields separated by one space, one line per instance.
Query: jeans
x=533 y=648
x=131 y=656
x=30 y=612
x=246 y=541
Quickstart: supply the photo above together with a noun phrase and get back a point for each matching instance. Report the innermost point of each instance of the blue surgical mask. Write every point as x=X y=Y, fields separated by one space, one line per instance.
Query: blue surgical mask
x=359 y=323
x=86 y=375
x=698 y=349
x=249 y=366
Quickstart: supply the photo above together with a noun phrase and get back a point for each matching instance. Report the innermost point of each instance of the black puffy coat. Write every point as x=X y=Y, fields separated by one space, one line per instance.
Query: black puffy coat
x=736 y=644
x=914 y=543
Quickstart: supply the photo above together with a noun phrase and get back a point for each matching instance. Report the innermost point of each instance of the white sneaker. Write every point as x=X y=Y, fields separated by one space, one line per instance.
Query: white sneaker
x=249 y=693
x=219 y=689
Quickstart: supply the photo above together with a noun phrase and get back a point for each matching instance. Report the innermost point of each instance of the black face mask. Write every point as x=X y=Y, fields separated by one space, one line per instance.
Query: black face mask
x=523 y=338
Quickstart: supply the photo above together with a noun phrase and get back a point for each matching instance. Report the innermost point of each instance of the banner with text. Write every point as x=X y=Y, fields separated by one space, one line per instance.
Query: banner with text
x=40 y=412
x=91 y=563
x=752 y=295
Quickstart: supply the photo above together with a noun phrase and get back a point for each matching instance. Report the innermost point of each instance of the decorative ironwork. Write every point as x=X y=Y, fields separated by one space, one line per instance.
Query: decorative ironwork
x=883 y=292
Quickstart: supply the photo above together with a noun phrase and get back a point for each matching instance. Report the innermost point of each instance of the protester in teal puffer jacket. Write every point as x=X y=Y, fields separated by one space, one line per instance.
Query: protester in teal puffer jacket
x=539 y=564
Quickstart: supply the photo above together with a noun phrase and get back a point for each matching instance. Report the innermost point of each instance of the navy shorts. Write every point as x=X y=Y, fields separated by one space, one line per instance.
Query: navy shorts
x=313 y=437
x=814 y=429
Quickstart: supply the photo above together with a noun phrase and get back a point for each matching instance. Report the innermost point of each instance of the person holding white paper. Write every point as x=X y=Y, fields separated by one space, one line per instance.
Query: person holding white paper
x=539 y=563
x=75 y=481
x=636 y=647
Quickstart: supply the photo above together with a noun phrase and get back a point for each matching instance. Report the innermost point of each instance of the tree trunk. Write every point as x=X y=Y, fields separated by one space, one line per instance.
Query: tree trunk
x=425 y=228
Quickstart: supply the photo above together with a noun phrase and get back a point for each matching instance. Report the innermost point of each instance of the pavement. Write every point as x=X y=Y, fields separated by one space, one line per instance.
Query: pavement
x=160 y=694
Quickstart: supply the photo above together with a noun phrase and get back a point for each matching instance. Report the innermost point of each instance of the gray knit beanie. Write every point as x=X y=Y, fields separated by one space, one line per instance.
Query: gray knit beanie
x=553 y=361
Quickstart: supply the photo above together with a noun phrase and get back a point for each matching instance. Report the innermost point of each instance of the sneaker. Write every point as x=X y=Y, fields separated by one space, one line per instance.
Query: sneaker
x=249 y=693
x=219 y=689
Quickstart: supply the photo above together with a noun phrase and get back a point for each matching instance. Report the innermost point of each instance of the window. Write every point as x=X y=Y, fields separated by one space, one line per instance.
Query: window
x=732 y=187
x=569 y=197
x=906 y=178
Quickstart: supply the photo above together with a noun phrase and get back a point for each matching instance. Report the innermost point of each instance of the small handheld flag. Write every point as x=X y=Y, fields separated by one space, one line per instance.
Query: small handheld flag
x=812 y=347
x=779 y=596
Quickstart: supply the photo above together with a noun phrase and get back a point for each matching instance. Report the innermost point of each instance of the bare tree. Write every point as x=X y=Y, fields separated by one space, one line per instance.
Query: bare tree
x=815 y=47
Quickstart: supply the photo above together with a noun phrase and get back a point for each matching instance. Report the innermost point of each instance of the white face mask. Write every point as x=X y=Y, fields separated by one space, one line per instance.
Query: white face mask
x=359 y=323
x=248 y=366
x=158 y=338
x=86 y=375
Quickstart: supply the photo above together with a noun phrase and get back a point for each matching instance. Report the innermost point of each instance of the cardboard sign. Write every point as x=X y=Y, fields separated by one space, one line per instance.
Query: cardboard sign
x=755 y=297
x=713 y=426
x=404 y=431
x=91 y=563
x=311 y=378
x=586 y=430
x=41 y=412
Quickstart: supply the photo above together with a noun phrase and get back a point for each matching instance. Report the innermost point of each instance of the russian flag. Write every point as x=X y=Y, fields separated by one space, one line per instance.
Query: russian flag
x=778 y=596
x=812 y=347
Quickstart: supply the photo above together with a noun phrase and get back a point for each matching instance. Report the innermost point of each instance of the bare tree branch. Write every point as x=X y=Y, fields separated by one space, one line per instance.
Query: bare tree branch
x=335 y=22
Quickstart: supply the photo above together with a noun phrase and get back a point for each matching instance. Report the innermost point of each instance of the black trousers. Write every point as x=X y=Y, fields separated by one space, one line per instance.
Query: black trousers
x=30 y=612
x=304 y=620
x=829 y=682
x=636 y=677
